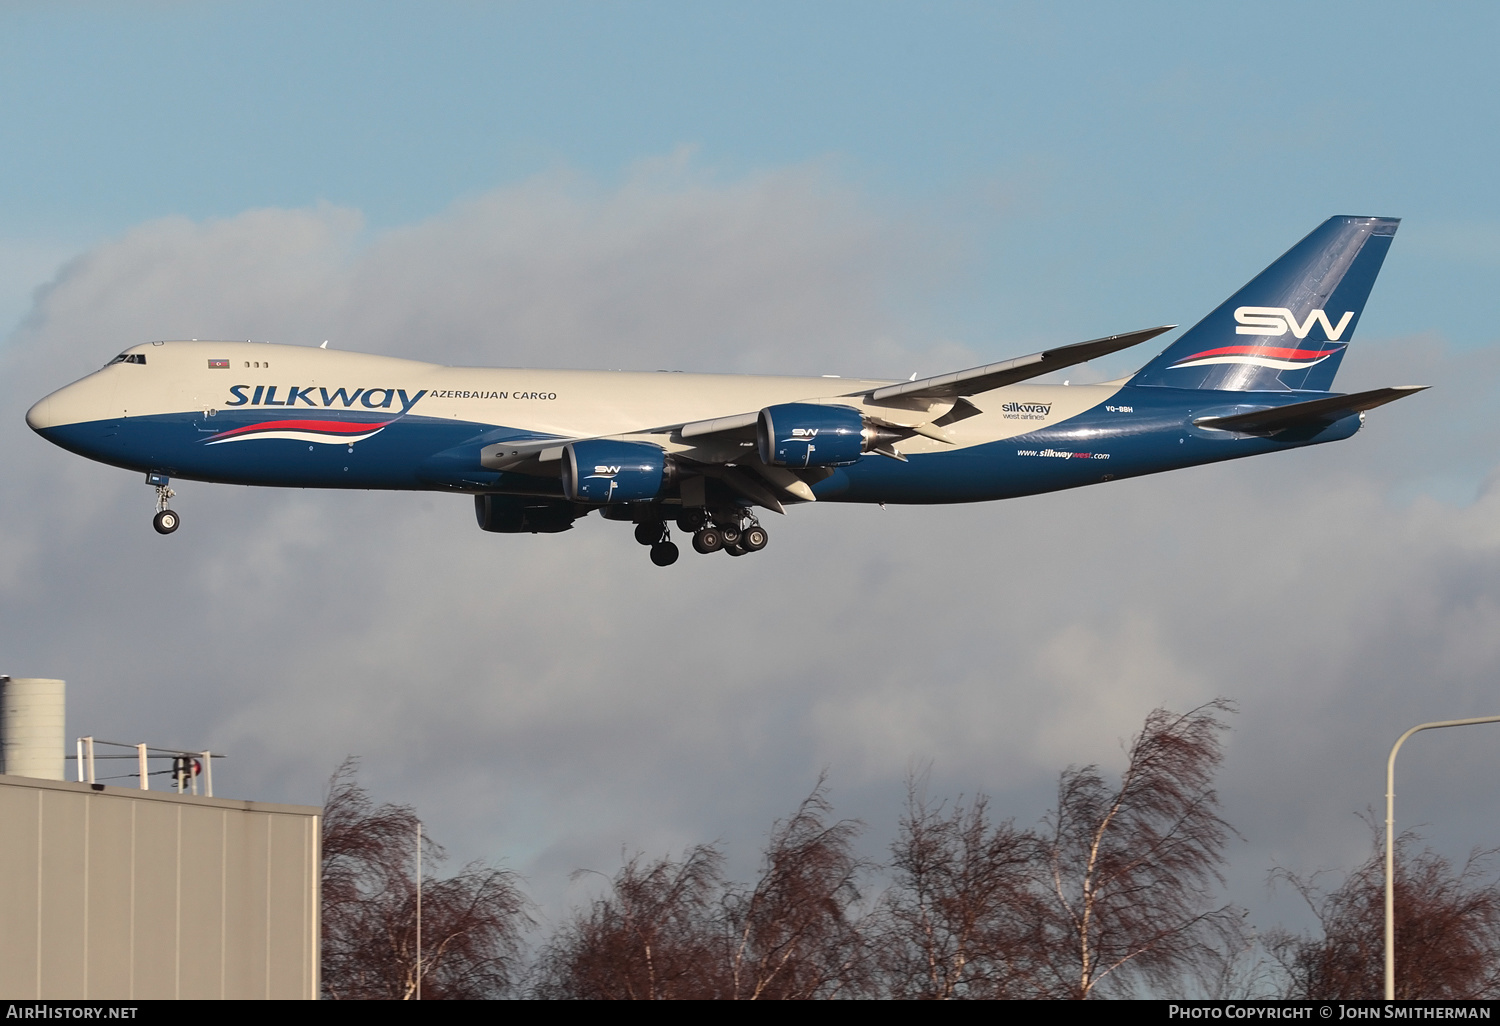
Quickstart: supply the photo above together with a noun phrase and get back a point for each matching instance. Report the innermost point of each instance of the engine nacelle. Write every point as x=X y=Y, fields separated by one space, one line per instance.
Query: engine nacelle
x=809 y=435
x=601 y=470
x=519 y=514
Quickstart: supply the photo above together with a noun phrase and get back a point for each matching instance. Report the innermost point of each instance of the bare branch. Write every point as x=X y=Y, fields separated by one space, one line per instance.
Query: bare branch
x=1447 y=929
x=1133 y=869
x=472 y=923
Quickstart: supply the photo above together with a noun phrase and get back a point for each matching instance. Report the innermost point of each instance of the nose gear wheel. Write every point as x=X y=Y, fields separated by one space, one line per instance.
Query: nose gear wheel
x=166 y=520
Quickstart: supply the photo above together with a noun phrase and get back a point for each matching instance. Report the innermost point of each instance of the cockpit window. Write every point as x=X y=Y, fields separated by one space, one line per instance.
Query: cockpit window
x=128 y=358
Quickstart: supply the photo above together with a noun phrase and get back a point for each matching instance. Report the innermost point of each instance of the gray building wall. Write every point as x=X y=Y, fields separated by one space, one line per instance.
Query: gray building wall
x=122 y=893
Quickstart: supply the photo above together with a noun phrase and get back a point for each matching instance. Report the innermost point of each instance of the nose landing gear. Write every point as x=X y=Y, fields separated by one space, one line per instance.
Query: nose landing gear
x=166 y=520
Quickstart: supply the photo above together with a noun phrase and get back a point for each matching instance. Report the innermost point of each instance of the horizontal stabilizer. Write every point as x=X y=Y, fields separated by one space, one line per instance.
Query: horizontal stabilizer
x=1008 y=372
x=1278 y=418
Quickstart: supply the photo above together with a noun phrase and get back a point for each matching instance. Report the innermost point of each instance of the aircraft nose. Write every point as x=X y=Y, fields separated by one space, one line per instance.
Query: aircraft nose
x=42 y=415
x=87 y=399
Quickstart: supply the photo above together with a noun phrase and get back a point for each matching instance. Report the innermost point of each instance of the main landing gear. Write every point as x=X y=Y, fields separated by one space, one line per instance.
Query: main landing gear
x=166 y=521
x=735 y=531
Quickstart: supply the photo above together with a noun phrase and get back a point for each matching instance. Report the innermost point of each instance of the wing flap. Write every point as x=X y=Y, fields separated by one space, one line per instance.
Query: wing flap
x=741 y=481
x=719 y=425
x=1278 y=418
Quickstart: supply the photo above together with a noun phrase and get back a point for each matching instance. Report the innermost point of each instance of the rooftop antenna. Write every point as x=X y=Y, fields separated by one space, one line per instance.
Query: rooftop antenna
x=187 y=767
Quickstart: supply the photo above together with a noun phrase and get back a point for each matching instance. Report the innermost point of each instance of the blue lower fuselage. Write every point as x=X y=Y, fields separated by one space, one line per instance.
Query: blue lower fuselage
x=1140 y=430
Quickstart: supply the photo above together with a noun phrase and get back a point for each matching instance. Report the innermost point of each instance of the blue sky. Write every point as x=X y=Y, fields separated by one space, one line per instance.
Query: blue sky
x=871 y=188
x=1041 y=128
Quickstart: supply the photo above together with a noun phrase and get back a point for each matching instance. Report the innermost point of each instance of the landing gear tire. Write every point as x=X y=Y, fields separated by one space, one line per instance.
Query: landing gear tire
x=708 y=540
x=731 y=534
x=664 y=553
x=165 y=520
x=737 y=549
x=649 y=532
x=754 y=539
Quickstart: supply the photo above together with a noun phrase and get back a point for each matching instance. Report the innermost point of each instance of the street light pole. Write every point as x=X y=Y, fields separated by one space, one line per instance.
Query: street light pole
x=1390 y=844
x=419 y=910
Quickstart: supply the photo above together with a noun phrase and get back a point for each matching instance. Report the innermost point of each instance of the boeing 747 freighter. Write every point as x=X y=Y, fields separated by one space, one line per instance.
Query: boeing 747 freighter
x=538 y=449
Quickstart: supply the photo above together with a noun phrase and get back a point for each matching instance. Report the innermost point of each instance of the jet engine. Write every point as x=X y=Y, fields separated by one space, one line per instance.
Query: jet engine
x=809 y=435
x=602 y=470
x=518 y=514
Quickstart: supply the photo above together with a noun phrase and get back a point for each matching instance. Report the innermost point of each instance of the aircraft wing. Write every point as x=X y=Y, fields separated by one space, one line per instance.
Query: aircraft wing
x=721 y=439
x=1278 y=418
x=950 y=386
x=1008 y=372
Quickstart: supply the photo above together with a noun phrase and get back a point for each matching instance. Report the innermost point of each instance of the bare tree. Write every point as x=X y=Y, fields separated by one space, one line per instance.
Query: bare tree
x=1132 y=868
x=366 y=860
x=675 y=929
x=471 y=923
x=1447 y=930
x=653 y=936
x=1115 y=891
x=792 y=934
x=962 y=919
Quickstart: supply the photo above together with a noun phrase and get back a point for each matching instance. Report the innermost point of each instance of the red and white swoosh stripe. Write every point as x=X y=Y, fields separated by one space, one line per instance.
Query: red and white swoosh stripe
x=1273 y=357
x=328 y=432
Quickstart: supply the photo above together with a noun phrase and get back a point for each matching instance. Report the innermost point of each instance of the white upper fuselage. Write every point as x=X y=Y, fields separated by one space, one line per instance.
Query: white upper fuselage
x=213 y=378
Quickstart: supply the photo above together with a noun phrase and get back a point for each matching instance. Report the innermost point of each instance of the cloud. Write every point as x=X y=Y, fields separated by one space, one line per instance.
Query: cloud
x=25 y=264
x=549 y=699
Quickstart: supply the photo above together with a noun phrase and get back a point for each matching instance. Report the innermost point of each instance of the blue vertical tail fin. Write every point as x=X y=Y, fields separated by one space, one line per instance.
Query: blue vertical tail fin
x=1288 y=328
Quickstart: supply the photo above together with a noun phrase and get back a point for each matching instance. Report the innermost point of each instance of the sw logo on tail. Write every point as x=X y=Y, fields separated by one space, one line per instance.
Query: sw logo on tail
x=1278 y=320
